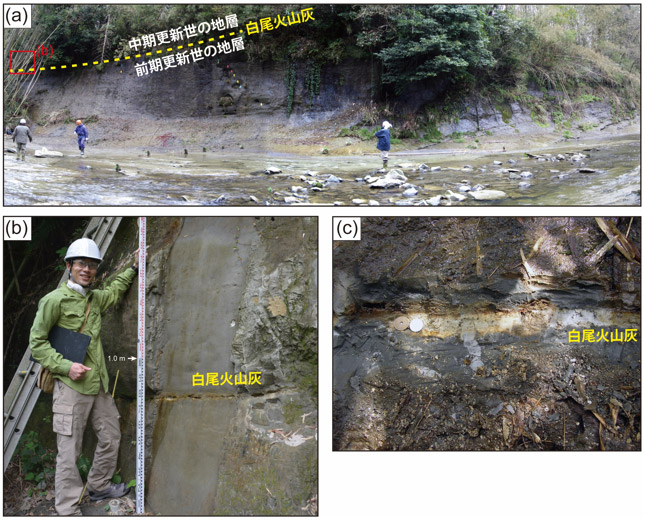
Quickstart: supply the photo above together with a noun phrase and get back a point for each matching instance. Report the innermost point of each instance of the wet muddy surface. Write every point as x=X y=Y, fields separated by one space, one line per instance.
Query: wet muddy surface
x=492 y=364
x=239 y=178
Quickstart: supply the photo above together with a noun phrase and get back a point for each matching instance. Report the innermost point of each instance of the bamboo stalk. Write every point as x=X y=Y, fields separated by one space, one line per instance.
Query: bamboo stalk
x=24 y=39
x=13 y=268
x=107 y=25
x=623 y=245
x=115 y=380
x=629 y=227
x=83 y=493
x=12 y=284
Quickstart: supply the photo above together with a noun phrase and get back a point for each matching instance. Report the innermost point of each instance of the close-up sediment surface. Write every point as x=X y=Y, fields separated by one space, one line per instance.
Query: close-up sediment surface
x=488 y=334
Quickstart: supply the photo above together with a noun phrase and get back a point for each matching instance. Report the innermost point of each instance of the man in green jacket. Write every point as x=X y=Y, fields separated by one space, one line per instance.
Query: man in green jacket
x=81 y=389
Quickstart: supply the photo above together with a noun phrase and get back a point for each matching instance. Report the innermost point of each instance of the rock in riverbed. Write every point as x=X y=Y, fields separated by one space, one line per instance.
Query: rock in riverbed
x=44 y=152
x=487 y=194
x=393 y=179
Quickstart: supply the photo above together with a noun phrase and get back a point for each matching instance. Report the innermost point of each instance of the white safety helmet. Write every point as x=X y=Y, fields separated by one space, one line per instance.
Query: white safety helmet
x=83 y=248
x=23 y=121
x=386 y=125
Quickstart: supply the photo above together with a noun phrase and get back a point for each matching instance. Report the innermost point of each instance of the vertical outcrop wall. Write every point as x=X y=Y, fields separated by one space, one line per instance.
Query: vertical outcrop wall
x=225 y=295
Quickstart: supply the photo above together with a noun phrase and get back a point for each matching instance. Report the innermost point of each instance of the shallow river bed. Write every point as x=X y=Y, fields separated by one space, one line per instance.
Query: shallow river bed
x=239 y=179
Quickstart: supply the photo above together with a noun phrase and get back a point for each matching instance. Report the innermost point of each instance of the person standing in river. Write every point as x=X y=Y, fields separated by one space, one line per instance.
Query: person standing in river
x=384 y=142
x=20 y=135
x=83 y=135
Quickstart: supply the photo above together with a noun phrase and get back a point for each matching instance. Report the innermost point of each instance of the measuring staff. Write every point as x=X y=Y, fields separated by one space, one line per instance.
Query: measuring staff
x=81 y=388
x=141 y=370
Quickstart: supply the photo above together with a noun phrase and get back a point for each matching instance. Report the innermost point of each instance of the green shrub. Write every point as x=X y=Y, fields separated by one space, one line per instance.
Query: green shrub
x=587 y=98
x=364 y=134
x=585 y=127
x=538 y=116
x=431 y=132
x=84 y=464
x=36 y=461
x=290 y=84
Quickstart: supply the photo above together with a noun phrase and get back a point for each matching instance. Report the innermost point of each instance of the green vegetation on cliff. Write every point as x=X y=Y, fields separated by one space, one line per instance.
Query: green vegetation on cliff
x=492 y=51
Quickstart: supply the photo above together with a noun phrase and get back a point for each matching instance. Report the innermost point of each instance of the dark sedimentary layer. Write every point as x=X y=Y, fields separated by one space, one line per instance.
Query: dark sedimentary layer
x=493 y=367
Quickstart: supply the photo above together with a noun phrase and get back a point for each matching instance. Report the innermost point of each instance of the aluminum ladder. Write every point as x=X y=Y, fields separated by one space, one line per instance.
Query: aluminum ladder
x=22 y=394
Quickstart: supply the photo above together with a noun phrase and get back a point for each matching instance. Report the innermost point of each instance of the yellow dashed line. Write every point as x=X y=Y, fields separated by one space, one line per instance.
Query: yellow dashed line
x=169 y=49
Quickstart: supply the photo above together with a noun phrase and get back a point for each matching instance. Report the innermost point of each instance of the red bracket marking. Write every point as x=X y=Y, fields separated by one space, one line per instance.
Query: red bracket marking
x=32 y=72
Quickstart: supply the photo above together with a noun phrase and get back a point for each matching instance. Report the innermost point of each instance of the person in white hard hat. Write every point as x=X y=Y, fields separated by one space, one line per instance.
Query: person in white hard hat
x=384 y=142
x=81 y=389
x=20 y=135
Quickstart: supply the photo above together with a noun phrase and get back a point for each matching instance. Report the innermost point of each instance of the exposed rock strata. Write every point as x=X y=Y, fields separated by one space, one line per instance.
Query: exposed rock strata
x=493 y=367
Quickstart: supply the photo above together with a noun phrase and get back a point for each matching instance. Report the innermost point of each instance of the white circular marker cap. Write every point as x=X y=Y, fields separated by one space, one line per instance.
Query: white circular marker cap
x=416 y=325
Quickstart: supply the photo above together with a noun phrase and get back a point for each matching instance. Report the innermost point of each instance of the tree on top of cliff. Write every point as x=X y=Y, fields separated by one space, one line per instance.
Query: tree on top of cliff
x=436 y=40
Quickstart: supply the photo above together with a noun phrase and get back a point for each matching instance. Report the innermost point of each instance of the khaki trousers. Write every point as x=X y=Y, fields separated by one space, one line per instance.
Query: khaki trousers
x=71 y=412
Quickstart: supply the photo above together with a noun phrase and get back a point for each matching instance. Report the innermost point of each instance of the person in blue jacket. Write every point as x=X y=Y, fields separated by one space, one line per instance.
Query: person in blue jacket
x=384 y=141
x=83 y=135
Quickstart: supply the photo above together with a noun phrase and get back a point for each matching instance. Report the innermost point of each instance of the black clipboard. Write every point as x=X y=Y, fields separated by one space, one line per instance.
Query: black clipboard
x=69 y=344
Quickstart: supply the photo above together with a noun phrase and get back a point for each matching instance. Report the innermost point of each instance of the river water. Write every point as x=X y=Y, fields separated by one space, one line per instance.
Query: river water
x=239 y=179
